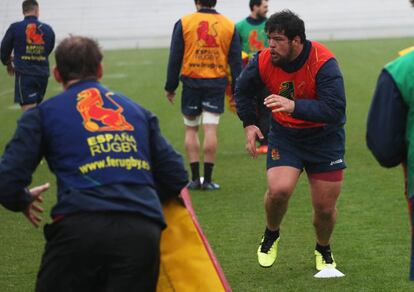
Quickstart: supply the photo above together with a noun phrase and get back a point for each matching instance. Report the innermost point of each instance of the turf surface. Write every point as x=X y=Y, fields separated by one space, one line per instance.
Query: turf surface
x=371 y=242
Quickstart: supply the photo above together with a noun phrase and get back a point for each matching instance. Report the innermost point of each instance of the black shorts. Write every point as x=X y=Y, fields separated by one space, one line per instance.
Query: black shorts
x=196 y=100
x=100 y=252
x=29 y=89
x=315 y=152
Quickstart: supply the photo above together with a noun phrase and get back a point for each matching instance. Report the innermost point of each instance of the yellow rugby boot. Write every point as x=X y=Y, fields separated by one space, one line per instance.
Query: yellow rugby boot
x=325 y=260
x=267 y=252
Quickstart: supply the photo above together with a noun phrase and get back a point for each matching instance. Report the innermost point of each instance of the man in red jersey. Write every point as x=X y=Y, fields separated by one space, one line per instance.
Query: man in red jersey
x=308 y=106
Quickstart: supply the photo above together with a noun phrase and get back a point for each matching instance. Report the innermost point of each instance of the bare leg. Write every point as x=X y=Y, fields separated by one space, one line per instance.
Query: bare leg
x=26 y=107
x=210 y=142
x=191 y=142
x=324 y=197
x=281 y=183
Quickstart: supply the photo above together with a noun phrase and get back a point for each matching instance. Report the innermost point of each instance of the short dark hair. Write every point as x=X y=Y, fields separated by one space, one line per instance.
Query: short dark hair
x=29 y=5
x=412 y=2
x=78 y=58
x=206 y=3
x=288 y=23
x=253 y=3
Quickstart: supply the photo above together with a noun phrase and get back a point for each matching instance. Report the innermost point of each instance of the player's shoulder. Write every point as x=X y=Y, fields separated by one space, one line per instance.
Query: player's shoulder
x=45 y=25
x=241 y=23
x=225 y=18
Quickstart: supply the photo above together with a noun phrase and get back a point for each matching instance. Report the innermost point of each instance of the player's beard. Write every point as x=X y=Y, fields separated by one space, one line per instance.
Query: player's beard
x=279 y=60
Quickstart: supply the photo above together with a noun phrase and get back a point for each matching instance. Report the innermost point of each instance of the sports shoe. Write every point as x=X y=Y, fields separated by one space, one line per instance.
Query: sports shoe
x=262 y=149
x=267 y=252
x=194 y=185
x=210 y=186
x=324 y=260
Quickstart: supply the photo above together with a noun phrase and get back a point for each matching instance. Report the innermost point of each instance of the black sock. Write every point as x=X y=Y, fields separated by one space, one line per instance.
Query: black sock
x=195 y=170
x=272 y=234
x=208 y=170
x=323 y=248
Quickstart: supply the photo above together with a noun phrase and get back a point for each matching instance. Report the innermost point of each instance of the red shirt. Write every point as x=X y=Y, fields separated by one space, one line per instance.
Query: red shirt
x=300 y=84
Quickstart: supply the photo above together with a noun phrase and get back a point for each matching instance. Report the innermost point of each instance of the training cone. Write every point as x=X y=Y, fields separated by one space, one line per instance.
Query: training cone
x=329 y=272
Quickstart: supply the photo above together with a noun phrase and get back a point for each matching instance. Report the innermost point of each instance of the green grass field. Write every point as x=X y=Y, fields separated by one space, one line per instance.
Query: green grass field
x=371 y=242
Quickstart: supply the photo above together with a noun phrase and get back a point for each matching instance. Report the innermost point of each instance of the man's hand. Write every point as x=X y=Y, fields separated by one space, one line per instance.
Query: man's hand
x=170 y=95
x=279 y=104
x=32 y=211
x=251 y=132
x=10 y=67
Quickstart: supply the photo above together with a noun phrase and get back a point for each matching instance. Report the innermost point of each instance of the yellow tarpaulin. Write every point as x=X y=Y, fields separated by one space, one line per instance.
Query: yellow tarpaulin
x=187 y=260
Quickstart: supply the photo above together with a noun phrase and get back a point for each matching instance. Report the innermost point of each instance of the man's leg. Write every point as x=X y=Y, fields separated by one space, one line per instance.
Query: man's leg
x=192 y=147
x=29 y=90
x=25 y=107
x=281 y=182
x=325 y=193
x=210 y=125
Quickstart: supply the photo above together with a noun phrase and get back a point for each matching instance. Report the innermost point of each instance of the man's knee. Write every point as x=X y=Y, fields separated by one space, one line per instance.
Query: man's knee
x=192 y=121
x=279 y=195
x=325 y=212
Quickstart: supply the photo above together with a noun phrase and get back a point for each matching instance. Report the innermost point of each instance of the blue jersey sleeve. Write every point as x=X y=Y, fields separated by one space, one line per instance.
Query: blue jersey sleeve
x=387 y=123
x=234 y=57
x=51 y=44
x=176 y=58
x=330 y=105
x=7 y=46
x=247 y=86
x=20 y=159
x=168 y=169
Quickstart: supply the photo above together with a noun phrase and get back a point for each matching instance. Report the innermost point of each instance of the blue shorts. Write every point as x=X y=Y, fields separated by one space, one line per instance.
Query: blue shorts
x=314 y=151
x=29 y=89
x=196 y=100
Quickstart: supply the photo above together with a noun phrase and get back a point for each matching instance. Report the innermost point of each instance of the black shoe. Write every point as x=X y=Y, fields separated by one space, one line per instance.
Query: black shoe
x=194 y=185
x=210 y=186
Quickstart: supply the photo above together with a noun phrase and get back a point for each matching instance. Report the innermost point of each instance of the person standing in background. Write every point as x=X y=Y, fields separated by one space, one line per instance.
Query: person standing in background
x=25 y=49
x=254 y=39
x=203 y=44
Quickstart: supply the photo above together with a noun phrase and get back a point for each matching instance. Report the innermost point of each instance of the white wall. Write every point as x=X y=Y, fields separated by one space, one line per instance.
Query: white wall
x=138 y=23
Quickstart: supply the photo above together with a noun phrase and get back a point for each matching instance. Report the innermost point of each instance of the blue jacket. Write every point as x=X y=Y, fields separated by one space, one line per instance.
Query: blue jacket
x=31 y=42
x=83 y=186
x=328 y=108
x=386 y=123
x=176 y=59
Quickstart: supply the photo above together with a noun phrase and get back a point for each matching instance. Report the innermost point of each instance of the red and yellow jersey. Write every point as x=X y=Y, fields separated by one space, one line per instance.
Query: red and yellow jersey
x=300 y=84
x=207 y=38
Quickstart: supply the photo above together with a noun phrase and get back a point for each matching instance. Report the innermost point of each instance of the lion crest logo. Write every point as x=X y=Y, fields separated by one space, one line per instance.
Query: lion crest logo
x=96 y=117
x=205 y=37
x=32 y=36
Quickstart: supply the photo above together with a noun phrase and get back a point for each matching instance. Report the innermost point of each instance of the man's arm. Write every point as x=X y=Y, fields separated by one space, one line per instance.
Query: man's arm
x=330 y=105
x=387 y=123
x=20 y=159
x=176 y=58
x=247 y=86
x=7 y=47
x=6 y=50
x=167 y=165
x=51 y=46
x=234 y=58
